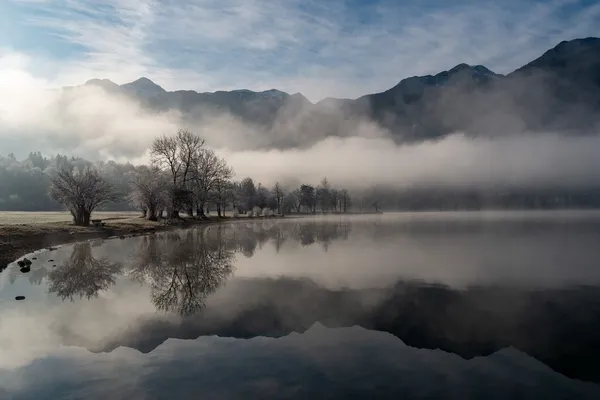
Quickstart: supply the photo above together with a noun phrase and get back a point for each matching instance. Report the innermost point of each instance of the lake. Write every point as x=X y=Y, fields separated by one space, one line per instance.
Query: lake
x=401 y=305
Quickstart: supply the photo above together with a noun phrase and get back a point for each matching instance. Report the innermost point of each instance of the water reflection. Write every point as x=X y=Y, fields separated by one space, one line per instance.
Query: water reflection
x=310 y=233
x=183 y=269
x=272 y=278
x=82 y=275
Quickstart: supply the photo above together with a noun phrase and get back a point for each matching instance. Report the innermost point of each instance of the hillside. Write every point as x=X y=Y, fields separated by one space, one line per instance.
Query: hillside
x=559 y=92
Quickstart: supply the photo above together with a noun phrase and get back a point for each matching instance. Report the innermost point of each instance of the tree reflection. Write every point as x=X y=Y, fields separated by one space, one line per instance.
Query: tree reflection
x=323 y=232
x=183 y=268
x=82 y=275
x=247 y=238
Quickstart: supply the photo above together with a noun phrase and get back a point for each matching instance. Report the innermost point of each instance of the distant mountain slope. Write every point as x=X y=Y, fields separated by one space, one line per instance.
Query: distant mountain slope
x=559 y=92
x=143 y=88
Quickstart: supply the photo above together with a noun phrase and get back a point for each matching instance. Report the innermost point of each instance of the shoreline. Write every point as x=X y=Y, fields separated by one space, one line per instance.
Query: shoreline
x=17 y=241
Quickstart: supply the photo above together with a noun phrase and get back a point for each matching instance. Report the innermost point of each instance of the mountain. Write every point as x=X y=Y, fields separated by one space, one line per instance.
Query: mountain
x=558 y=92
x=106 y=84
x=143 y=88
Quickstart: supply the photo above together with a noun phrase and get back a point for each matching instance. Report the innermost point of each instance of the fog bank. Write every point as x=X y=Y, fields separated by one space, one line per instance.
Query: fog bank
x=455 y=161
x=91 y=122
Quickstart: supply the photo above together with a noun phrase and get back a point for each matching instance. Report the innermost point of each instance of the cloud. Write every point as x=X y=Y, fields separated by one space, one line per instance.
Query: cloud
x=456 y=161
x=318 y=49
x=291 y=44
x=88 y=122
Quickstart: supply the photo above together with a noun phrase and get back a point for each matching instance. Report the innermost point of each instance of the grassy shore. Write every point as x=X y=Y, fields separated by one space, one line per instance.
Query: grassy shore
x=41 y=230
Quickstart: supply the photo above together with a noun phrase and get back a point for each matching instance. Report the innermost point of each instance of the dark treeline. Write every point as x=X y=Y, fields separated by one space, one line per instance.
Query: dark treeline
x=184 y=176
x=25 y=186
x=436 y=198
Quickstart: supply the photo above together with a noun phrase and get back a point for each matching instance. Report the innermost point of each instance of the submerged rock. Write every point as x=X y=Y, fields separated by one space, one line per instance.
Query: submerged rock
x=20 y=298
x=50 y=260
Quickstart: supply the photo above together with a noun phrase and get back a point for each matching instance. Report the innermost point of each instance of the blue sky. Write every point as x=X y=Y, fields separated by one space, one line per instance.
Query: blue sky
x=320 y=48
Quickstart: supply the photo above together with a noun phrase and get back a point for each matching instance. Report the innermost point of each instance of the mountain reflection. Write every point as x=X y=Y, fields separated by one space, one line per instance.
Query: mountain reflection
x=183 y=268
x=82 y=275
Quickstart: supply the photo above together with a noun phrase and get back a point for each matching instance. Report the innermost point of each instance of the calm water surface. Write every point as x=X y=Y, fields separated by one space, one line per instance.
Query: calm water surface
x=436 y=305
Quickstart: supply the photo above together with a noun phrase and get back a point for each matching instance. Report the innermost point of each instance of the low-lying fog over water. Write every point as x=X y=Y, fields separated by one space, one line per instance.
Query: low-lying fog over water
x=456 y=305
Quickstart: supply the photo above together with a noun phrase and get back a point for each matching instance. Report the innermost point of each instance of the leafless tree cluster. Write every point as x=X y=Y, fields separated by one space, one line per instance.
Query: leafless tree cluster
x=148 y=192
x=323 y=198
x=196 y=175
x=186 y=176
x=81 y=191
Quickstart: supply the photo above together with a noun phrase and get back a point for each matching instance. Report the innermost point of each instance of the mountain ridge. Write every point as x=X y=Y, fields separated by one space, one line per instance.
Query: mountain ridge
x=481 y=69
x=559 y=91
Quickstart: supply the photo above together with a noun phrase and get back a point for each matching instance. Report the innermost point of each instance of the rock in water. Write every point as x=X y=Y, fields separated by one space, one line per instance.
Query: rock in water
x=25 y=269
x=20 y=298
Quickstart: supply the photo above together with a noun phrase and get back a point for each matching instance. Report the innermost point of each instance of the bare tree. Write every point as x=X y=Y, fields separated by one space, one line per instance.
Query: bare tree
x=164 y=153
x=308 y=198
x=178 y=155
x=294 y=200
x=235 y=196
x=279 y=195
x=345 y=200
x=149 y=191
x=247 y=194
x=262 y=196
x=323 y=195
x=334 y=197
x=221 y=194
x=208 y=169
x=81 y=192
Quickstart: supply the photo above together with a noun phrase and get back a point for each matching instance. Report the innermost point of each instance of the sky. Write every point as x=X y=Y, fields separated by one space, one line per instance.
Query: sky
x=337 y=48
x=320 y=48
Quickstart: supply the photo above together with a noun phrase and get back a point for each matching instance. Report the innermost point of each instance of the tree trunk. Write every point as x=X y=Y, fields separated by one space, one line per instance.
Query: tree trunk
x=86 y=218
x=79 y=214
x=200 y=210
x=150 y=214
x=219 y=209
x=74 y=214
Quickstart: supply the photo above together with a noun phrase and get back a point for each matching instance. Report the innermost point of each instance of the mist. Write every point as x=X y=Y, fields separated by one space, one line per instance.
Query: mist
x=456 y=161
x=91 y=122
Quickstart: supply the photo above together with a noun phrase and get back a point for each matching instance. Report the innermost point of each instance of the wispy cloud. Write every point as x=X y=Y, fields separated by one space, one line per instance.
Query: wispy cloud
x=336 y=48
